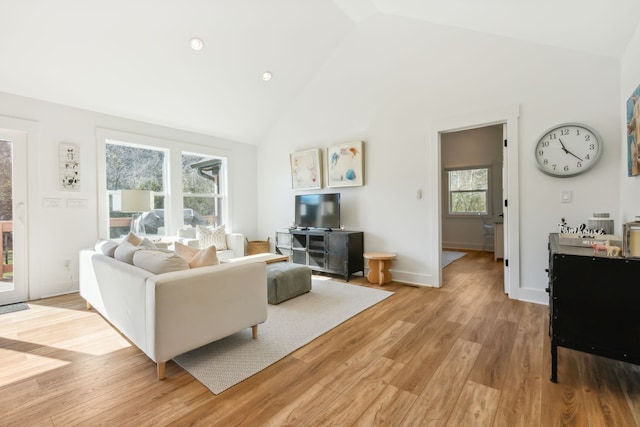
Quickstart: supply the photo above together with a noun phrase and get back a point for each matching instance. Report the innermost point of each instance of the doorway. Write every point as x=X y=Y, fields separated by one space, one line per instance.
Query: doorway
x=471 y=164
x=508 y=117
x=13 y=227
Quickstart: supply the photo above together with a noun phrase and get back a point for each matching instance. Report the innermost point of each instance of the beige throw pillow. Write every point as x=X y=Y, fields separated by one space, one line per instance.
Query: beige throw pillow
x=133 y=239
x=197 y=257
x=212 y=237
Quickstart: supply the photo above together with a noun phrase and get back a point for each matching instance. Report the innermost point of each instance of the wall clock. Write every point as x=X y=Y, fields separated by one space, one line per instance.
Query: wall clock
x=568 y=149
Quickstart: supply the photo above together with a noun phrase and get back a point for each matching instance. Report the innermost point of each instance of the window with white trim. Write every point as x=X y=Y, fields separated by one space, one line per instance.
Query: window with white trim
x=132 y=167
x=181 y=192
x=468 y=191
x=203 y=189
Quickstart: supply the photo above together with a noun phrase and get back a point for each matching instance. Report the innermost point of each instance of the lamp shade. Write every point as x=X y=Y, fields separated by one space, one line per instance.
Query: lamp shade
x=136 y=200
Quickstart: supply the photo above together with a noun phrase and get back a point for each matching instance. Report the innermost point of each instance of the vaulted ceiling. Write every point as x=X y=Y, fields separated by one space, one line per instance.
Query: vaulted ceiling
x=132 y=58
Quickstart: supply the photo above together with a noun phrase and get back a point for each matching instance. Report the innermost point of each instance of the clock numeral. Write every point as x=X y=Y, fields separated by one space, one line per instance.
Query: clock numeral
x=587 y=157
x=552 y=136
x=545 y=162
x=544 y=144
x=540 y=153
x=587 y=137
x=578 y=132
x=564 y=132
x=579 y=164
x=554 y=167
x=592 y=146
x=566 y=168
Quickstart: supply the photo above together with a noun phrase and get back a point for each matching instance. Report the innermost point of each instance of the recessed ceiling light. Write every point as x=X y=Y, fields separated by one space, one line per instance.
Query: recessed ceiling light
x=266 y=76
x=196 y=43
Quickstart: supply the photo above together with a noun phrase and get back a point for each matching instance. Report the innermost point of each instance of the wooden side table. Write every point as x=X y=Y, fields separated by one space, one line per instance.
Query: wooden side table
x=379 y=264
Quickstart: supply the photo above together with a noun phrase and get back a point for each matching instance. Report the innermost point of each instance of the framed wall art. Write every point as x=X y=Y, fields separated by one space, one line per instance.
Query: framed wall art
x=306 y=169
x=345 y=165
x=633 y=133
x=69 y=167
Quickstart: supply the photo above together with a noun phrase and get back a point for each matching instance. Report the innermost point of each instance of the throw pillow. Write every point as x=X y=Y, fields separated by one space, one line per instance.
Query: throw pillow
x=212 y=237
x=133 y=239
x=106 y=247
x=159 y=262
x=124 y=252
x=197 y=257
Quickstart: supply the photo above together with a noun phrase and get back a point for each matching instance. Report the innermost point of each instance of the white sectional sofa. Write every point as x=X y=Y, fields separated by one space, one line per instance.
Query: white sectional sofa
x=171 y=313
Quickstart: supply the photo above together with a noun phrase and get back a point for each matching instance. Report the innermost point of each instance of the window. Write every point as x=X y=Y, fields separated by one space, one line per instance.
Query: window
x=468 y=191
x=182 y=194
x=202 y=189
x=131 y=167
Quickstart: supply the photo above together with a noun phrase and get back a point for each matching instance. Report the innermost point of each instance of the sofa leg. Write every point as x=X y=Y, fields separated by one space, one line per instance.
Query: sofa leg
x=254 y=331
x=161 y=369
x=88 y=305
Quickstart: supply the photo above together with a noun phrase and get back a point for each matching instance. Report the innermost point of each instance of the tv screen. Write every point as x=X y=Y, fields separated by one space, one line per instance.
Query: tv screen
x=318 y=210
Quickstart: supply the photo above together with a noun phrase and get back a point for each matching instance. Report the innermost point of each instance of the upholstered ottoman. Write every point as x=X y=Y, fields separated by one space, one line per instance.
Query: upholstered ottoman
x=286 y=280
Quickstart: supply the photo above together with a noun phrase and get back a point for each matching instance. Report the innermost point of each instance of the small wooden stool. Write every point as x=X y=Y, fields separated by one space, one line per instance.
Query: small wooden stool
x=379 y=264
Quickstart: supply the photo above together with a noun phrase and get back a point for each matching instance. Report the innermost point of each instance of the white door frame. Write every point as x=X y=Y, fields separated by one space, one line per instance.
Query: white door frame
x=19 y=204
x=25 y=134
x=508 y=116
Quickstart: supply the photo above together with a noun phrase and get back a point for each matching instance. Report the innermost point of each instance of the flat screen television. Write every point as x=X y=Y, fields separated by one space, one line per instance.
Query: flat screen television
x=318 y=210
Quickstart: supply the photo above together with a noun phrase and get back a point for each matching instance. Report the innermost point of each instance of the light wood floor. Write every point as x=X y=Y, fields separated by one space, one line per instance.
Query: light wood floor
x=462 y=355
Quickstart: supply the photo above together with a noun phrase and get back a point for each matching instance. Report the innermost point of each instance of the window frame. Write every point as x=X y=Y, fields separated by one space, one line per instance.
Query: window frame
x=165 y=179
x=173 y=187
x=221 y=193
x=488 y=193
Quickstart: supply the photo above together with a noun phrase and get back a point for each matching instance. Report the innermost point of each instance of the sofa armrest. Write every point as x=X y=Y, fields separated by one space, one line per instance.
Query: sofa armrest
x=235 y=242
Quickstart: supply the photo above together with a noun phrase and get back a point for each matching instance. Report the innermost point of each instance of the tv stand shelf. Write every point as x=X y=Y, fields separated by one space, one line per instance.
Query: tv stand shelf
x=335 y=252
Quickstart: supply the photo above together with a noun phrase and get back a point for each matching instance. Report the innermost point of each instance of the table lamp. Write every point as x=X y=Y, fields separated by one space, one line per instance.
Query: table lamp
x=136 y=201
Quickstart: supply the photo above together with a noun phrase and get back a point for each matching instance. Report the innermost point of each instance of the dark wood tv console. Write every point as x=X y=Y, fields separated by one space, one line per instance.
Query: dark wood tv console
x=335 y=252
x=594 y=303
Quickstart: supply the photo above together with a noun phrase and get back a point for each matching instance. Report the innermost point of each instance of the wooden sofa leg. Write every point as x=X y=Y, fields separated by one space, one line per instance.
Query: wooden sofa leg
x=88 y=305
x=161 y=370
x=254 y=331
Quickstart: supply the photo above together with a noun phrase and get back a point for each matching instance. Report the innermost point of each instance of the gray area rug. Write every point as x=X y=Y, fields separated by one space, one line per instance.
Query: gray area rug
x=289 y=326
x=449 y=256
x=10 y=308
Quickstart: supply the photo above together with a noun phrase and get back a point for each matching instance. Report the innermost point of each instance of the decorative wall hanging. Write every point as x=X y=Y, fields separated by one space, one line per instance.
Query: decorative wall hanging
x=633 y=133
x=69 y=167
x=306 y=169
x=345 y=164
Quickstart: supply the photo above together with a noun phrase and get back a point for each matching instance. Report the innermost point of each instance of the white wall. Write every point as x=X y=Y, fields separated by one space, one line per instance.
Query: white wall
x=58 y=233
x=393 y=77
x=630 y=79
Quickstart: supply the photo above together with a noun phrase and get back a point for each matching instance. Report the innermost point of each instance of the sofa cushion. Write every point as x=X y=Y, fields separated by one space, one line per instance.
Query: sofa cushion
x=212 y=237
x=106 y=247
x=124 y=252
x=197 y=257
x=159 y=262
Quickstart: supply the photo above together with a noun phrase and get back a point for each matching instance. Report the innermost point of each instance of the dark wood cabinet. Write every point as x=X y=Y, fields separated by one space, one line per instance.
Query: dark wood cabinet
x=594 y=303
x=335 y=252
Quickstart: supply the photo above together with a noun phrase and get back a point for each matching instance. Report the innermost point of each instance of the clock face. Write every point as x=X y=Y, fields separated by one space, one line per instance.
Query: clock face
x=568 y=149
